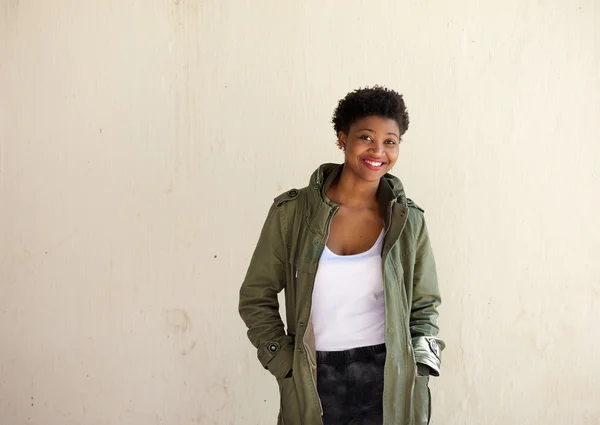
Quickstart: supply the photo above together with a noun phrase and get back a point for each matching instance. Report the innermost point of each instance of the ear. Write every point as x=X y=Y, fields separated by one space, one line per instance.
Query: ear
x=342 y=140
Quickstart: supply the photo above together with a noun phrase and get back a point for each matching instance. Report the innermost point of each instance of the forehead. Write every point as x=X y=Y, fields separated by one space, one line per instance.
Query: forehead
x=377 y=124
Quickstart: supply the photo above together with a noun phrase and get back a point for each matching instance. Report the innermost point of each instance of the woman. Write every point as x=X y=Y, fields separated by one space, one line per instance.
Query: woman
x=353 y=255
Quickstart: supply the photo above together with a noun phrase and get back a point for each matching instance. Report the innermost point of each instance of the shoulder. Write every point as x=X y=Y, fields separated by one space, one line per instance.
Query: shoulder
x=290 y=196
x=412 y=204
x=416 y=216
x=291 y=207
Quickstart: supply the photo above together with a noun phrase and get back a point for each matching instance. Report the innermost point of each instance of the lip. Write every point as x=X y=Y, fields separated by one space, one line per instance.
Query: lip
x=373 y=167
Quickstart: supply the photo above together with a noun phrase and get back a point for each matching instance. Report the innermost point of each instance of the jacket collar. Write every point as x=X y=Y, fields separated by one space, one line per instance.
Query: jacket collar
x=390 y=193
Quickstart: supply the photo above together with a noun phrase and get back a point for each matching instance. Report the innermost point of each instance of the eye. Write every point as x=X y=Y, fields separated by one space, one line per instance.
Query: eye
x=390 y=142
x=366 y=137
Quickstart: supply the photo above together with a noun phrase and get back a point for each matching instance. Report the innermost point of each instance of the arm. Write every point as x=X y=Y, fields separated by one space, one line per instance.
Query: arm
x=423 y=316
x=258 y=304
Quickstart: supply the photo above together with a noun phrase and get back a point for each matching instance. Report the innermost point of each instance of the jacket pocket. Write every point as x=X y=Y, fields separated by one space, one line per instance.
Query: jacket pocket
x=422 y=401
x=289 y=412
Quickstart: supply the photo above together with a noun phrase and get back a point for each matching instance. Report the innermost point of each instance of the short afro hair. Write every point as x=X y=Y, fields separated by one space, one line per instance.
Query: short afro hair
x=370 y=101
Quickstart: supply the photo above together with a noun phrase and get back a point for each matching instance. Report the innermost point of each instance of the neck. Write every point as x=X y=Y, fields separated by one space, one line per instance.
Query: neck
x=350 y=190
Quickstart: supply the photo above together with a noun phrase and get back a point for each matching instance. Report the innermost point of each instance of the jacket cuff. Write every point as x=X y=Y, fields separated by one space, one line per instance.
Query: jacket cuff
x=277 y=357
x=423 y=370
x=428 y=350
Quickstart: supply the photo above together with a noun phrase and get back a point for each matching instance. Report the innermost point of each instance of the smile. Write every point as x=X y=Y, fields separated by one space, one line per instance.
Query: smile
x=373 y=164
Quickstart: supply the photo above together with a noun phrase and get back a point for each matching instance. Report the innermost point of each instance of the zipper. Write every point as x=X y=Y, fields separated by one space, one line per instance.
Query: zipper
x=313 y=366
x=321 y=249
x=389 y=222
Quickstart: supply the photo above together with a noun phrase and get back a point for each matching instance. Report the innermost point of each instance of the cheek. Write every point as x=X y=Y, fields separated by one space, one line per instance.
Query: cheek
x=354 y=149
x=393 y=157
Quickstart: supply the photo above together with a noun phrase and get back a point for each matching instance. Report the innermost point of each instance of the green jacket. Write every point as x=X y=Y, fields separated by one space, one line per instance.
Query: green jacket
x=286 y=257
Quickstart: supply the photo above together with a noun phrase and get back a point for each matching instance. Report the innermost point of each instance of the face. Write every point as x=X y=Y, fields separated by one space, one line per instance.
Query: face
x=371 y=147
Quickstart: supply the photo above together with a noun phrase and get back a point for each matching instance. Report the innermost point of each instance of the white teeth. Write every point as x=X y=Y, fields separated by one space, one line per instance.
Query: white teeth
x=374 y=164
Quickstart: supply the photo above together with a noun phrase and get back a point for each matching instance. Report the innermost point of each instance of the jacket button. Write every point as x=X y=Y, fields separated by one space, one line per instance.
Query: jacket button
x=273 y=348
x=293 y=193
x=301 y=324
x=299 y=350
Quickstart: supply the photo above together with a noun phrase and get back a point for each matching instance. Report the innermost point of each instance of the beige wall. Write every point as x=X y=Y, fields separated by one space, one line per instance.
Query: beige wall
x=141 y=143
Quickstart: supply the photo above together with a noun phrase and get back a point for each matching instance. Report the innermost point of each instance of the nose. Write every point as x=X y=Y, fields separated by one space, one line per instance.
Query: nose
x=378 y=148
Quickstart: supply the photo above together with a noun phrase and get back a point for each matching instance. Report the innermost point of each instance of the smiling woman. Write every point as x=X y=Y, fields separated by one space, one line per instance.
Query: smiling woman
x=359 y=278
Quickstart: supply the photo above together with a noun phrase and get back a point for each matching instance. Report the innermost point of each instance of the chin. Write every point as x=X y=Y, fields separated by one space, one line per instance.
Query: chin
x=371 y=176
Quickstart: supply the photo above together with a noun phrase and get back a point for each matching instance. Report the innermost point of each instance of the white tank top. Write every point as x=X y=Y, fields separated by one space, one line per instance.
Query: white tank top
x=348 y=309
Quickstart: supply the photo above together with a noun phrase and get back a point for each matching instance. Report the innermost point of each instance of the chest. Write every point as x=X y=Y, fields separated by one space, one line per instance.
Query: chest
x=353 y=231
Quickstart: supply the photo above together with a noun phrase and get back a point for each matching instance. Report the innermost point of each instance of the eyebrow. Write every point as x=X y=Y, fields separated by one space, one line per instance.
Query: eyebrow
x=373 y=131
